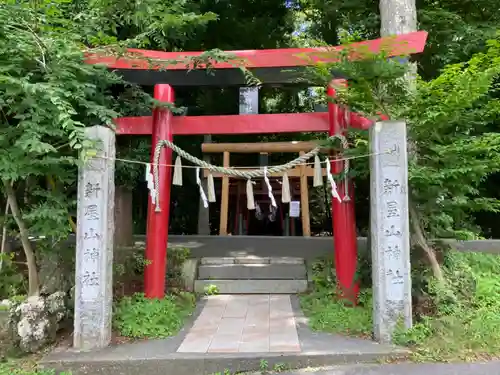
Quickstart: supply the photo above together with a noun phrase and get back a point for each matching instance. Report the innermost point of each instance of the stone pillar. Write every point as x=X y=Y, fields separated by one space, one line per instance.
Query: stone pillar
x=389 y=221
x=94 y=244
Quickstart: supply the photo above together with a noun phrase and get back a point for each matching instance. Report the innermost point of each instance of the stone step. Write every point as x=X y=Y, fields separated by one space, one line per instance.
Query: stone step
x=253 y=286
x=250 y=259
x=252 y=271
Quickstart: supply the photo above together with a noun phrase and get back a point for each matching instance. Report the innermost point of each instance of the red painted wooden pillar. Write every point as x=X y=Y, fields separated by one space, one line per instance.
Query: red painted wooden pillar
x=343 y=216
x=157 y=229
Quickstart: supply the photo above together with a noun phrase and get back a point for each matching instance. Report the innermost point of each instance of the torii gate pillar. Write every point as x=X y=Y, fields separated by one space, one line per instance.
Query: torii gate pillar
x=343 y=214
x=158 y=222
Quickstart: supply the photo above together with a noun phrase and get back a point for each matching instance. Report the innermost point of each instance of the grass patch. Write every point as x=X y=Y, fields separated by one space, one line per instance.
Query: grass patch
x=465 y=320
x=138 y=317
x=466 y=325
x=326 y=313
x=25 y=366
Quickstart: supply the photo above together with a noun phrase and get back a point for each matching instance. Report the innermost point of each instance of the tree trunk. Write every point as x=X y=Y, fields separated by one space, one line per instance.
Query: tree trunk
x=400 y=17
x=421 y=241
x=33 y=282
x=124 y=224
x=4 y=248
x=397 y=17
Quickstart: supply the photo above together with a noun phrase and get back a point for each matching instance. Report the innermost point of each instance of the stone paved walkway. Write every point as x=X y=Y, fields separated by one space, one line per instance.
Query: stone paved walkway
x=243 y=324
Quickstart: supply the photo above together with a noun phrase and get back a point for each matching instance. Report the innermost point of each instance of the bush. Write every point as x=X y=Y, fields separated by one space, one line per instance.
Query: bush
x=12 y=280
x=466 y=322
x=327 y=313
x=140 y=317
x=461 y=321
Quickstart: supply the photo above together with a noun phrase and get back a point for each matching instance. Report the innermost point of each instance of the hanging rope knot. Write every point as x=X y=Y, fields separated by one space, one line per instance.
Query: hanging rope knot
x=231 y=171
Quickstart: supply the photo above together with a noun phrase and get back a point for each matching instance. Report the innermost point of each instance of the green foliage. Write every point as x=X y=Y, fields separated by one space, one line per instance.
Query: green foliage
x=457 y=29
x=211 y=290
x=449 y=119
x=140 y=317
x=328 y=313
x=149 y=24
x=12 y=282
x=48 y=96
x=460 y=322
x=14 y=368
x=466 y=325
x=377 y=83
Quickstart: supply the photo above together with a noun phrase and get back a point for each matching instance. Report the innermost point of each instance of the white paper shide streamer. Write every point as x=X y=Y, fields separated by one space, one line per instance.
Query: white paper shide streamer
x=151 y=183
x=177 y=178
x=269 y=189
x=202 y=193
x=210 y=188
x=285 y=189
x=333 y=185
x=250 y=198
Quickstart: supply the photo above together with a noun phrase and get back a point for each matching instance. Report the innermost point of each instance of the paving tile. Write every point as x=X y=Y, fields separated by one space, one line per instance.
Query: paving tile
x=257 y=346
x=257 y=324
x=283 y=339
x=212 y=312
x=238 y=298
x=194 y=343
x=288 y=329
x=282 y=315
x=219 y=300
x=204 y=330
x=243 y=323
x=258 y=312
x=279 y=298
x=231 y=326
x=258 y=300
x=236 y=309
x=284 y=348
x=224 y=343
x=258 y=334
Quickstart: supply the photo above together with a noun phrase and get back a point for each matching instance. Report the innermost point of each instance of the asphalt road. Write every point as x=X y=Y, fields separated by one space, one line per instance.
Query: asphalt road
x=490 y=368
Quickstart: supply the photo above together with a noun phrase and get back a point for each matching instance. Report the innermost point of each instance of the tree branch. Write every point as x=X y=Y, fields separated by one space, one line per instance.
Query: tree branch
x=33 y=282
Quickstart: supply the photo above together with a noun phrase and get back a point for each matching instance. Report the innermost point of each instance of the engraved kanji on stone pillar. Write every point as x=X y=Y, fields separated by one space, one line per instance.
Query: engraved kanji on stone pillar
x=389 y=220
x=94 y=244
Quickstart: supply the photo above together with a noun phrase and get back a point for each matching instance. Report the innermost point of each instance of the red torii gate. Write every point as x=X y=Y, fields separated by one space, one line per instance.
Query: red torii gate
x=268 y=66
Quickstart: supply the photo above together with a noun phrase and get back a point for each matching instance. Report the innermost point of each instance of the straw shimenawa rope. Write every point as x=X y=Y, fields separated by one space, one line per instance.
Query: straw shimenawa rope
x=229 y=171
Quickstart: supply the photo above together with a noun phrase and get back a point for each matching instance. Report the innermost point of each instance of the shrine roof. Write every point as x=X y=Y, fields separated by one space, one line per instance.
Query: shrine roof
x=271 y=66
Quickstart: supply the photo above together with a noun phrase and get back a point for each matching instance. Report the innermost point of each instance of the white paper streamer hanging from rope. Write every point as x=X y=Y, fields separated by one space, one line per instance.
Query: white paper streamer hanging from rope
x=211 y=188
x=150 y=182
x=177 y=179
x=285 y=189
x=202 y=193
x=318 y=172
x=269 y=189
x=250 y=199
x=333 y=185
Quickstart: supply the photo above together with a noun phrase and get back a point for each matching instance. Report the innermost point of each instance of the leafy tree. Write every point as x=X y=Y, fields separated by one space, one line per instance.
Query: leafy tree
x=449 y=124
x=457 y=28
x=47 y=97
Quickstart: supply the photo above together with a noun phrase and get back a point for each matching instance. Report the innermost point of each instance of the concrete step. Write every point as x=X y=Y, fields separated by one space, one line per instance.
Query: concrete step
x=253 y=286
x=252 y=271
x=250 y=259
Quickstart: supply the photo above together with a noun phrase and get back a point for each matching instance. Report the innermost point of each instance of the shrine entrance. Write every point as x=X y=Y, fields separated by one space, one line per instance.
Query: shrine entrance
x=270 y=67
x=290 y=216
x=389 y=235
